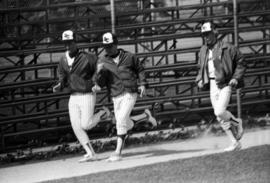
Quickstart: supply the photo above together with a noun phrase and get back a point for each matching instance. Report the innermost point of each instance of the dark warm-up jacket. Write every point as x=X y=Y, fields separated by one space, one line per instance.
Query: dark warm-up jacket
x=228 y=62
x=80 y=77
x=122 y=77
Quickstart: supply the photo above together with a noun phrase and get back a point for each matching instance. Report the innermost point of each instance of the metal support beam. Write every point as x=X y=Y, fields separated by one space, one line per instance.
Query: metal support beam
x=238 y=91
x=112 y=16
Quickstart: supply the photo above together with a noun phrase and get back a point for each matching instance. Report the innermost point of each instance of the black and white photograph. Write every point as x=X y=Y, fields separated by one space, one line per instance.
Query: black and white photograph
x=134 y=91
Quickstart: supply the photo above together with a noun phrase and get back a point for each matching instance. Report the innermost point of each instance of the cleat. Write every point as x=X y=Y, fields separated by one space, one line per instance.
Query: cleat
x=114 y=157
x=150 y=118
x=234 y=147
x=88 y=157
x=107 y=113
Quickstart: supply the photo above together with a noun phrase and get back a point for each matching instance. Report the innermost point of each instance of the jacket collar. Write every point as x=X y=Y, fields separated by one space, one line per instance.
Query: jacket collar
x=121 y=55
x=220 y=44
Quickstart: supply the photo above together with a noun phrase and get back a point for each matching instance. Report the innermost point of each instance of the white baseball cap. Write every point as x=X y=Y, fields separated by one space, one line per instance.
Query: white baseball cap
x=108 y=38
x=206 y=27
x=67 y=35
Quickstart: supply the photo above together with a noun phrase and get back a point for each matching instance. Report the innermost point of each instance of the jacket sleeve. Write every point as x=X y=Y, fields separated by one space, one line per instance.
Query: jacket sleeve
x=239 y=64
x=139 y=69
x=199 y=75
x=93 y=63
x=101 y=78
x=62 y=74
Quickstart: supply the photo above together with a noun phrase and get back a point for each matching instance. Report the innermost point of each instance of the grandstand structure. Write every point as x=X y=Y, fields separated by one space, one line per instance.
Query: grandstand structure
x=165 y=35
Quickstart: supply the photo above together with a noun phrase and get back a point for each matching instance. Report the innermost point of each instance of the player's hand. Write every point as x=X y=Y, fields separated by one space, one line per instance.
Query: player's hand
x=142 y=90
x=100 y=66
x=225 y=125
x=56 y=88
x=96 y=88
x=233 y=82
x=200 y=84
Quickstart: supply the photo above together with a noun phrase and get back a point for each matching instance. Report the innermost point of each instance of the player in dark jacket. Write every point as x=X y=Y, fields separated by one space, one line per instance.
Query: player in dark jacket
x=76 y=70
x=124 y=76
x=222 y=67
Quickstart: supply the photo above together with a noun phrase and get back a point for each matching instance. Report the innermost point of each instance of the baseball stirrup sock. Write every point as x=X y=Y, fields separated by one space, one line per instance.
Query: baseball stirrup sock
x=123 y=138
x=235 y=122
x=88 y=144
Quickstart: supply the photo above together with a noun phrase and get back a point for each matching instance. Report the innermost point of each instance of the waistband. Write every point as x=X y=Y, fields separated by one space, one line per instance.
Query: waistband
x=123 y=94
x=80 y=94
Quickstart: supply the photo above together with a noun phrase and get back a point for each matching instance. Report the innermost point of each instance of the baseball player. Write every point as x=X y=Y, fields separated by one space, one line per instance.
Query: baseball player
x=222 y=67
x=76 y=69
x=120 y=70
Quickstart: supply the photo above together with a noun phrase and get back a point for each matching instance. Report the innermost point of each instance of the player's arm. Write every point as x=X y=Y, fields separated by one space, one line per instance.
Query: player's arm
x=101 y=76
x=199 y=79
x=62 y=78
x=92 y=59
x=239 y=66
x=139 y=69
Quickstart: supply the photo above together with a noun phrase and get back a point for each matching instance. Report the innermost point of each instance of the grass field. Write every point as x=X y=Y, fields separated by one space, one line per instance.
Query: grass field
x=246 y=166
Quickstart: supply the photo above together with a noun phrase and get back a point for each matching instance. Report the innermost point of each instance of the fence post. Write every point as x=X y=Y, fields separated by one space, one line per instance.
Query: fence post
x=112 y=16
x=238 y=91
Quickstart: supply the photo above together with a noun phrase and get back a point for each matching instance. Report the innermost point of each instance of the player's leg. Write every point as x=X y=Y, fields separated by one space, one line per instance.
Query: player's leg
x=88 y=119
x=123 y=120
x=145 y=116
x=237 y=126
x=75 y=118
x=222 y=101
x=225 y=117
x=235 y=123
x=123 y=106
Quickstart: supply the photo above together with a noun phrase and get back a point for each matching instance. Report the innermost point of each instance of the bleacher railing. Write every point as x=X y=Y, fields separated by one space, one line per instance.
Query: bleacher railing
x=165 y=37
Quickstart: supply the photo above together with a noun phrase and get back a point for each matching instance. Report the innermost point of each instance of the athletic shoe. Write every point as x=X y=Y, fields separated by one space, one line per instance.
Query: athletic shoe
x=88 y=157
x=107 y=113
x=150 y=118
x=234 y=147
x=114 y=157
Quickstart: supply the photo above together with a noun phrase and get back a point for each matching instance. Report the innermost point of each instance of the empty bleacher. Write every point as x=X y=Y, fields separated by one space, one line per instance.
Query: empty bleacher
x=165 y=37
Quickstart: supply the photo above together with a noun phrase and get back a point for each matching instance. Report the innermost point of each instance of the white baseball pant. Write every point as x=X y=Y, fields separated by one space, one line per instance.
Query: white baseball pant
x=220 y=99
x=81 y=112
x=123 y=105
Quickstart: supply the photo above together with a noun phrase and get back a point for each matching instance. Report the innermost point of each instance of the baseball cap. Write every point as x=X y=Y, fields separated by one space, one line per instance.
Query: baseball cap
x=206 y=27
x=109 y=38
x=67 y=35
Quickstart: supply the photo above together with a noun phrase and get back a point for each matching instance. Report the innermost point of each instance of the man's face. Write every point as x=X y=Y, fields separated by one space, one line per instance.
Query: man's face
x=71 y=47
x=209 y=38
x=111 y=49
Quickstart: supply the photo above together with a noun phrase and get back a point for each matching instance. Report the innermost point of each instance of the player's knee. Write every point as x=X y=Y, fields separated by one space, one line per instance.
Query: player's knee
x=220 y=113
x=121 y=129
x=87 y=125
x=121 y=119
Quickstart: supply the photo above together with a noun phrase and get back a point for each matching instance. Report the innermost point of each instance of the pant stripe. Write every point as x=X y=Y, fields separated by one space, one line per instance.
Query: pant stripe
x=123 y=106
x=81 y=112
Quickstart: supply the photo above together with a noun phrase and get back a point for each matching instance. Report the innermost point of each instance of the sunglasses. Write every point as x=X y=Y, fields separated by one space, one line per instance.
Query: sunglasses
x=206 y=34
